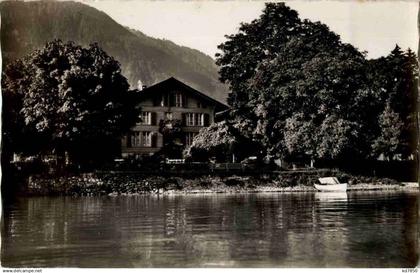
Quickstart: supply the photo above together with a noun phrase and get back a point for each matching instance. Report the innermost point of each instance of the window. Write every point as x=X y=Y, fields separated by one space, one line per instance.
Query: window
x=146 y=118
x=190 y=119
x=165 y=100
x=168 y=115
x=194 y=119
x=140 y=139
x=173 y=99
x=146 y=138
x=189 y=138
x=135 y=139
x=199 y=119
x=178 y=100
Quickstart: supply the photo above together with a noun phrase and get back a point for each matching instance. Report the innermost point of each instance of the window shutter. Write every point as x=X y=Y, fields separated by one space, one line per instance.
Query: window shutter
x=128 y=140
x=172 y=99
x=206 y=119
x=153 y=121
x=196 y=117
x=184 y=119
x=154 y=140
x=184 y=101
x=165 y=99
x=140 y=139
x=157 y=100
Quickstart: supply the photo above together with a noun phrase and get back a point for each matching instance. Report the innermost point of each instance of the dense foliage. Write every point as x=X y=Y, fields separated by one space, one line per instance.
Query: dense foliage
x=65 y=98
x=301 y=92
x=394 y=79
x=221 y=141
x=171 y=130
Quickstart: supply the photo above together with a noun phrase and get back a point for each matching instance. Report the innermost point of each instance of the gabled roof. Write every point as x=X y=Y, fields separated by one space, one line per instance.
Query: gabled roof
x=170 y=82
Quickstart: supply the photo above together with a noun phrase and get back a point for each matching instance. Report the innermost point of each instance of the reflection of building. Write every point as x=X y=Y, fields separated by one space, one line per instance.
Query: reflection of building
x=169 y=100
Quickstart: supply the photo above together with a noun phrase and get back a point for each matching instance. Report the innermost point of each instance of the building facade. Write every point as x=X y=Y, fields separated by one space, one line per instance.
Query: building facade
x=166 y=104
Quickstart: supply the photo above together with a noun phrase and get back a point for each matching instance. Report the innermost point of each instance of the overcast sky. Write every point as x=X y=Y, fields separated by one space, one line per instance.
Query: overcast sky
x=374 y=27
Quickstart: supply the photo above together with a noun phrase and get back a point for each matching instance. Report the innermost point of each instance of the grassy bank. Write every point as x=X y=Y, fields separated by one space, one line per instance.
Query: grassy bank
x=132 y=183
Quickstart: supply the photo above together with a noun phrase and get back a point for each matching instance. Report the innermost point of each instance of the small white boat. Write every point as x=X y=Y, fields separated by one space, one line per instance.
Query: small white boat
x=330 y=184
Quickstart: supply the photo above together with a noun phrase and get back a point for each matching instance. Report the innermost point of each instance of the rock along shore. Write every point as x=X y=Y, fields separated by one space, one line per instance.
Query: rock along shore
x=94 y=184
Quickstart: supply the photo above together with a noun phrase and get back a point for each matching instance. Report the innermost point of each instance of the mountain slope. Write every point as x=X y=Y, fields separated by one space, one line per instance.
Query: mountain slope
x=29 y=25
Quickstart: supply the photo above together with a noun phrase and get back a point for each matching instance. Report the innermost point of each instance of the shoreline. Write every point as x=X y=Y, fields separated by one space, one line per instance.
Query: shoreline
x=297 y=189
x=92 y=184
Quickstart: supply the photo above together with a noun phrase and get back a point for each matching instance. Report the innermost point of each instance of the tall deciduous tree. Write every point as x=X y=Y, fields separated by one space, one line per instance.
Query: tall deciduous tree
x=388 y=141
x=394 y=79
x=291 y=78
x=255 y=42
x=75 y=97
x=16 y=136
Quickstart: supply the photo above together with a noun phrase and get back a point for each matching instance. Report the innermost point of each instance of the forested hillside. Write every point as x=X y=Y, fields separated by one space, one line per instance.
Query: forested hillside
x=29 y=25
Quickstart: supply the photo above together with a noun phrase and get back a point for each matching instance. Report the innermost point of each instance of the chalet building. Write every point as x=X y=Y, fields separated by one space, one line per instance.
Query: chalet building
x=165 y=102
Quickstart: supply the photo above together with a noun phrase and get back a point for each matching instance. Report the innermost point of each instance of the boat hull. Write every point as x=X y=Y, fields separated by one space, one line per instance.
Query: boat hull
x=336 y=187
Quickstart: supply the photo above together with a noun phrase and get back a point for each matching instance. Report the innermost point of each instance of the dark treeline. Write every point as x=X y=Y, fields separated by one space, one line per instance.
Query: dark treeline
x=299 y=93
x=67 y=101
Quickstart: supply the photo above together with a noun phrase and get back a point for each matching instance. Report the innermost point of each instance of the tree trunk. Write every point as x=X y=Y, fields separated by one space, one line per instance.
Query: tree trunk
x=60 y=159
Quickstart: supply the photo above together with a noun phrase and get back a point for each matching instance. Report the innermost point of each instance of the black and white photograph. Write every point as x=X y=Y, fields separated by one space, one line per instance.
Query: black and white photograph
x=209 y=134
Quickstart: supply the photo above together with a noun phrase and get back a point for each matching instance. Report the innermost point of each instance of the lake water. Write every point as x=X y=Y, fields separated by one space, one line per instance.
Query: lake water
x=365 y=229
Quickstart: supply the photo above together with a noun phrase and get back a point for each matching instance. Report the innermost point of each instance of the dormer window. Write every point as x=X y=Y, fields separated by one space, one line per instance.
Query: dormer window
x=179 y=100
x=173 y=99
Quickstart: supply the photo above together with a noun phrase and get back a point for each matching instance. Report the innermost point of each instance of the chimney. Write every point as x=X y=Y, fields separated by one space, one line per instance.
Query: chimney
x=140 y=85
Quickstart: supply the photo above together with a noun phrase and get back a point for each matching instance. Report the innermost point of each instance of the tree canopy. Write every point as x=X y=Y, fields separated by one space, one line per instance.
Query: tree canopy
x=74 y=98
x=221 y=140
x=394 y=78
x=297 y=89
x=171 y=130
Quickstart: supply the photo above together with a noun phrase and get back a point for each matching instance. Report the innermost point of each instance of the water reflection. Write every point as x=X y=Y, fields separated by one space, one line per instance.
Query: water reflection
x=243 y=230
x=331 y=196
